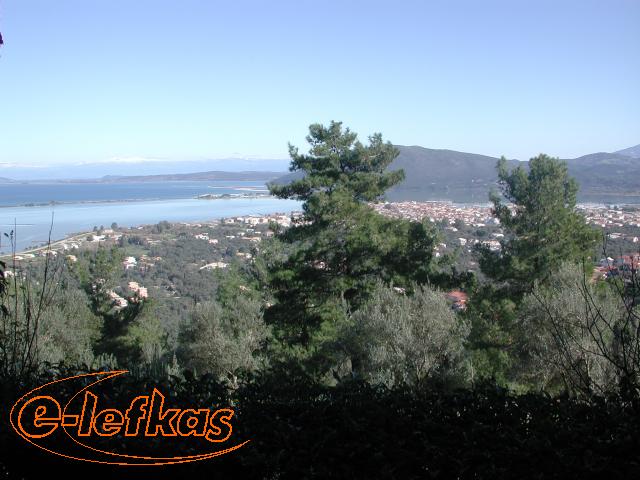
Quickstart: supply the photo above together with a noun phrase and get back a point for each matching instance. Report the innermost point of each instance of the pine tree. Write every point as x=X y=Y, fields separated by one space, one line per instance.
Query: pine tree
x=542 y=231
x=341 y=246
x=542 y=227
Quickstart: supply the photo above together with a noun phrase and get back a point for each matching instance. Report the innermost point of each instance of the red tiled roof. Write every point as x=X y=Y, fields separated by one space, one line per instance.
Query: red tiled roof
x=457 y=296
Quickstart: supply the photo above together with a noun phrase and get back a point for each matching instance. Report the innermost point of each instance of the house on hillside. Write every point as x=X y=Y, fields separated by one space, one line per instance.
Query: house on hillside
x=458 y=299
x=129 y=263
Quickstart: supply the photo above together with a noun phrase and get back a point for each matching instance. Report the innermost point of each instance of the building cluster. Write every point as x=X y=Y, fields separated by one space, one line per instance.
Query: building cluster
x=138 y=290
x=214 y=266
x=73 y=245
x=130 y=263
x=480 y=215
x=613 y=218
x=205 y=236
x=143 y=264
x=625 y=267
x=608 y=216
x=146 y=262
x=477 y=216
x=119 y=302
x=282 y=219
x=473 y=215
x=25 y=256
x=242 y=235
x=103 y=235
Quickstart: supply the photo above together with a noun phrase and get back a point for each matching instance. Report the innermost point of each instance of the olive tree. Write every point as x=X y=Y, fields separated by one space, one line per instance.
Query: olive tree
x=537 y=210
x=582 y=334
x=224 y=341
x=399 y=338
x=68 y=330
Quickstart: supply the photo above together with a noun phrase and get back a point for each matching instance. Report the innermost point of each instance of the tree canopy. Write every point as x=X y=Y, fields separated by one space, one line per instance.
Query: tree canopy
x=542 y=227
x=337 y=163
x=340 y=246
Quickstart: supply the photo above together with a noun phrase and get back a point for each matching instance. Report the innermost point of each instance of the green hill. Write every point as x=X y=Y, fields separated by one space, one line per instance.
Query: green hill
x=448 y=174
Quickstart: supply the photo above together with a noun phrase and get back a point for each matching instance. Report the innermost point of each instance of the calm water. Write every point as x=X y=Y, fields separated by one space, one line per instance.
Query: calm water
x=171 y=201
x=38 y=193
x=80 y=207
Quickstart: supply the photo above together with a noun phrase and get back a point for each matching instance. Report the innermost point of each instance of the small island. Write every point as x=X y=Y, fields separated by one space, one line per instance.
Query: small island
x=228 y=196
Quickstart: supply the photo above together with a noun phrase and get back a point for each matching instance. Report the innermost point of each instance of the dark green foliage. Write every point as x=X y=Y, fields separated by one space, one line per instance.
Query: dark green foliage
x=24 y=301
x=542 y=230
x=585 y=336
x=298 y=429
x=68 y=329
x=337 y=162
x=341 y=247
x=161 y=227
x=542 y=227
x=97 y=274
x=491 y=340
x=4 y=288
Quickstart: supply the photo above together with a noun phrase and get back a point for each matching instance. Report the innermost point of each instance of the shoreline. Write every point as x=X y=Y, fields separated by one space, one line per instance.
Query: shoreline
x=33 y=250
x=42 y=245
x=78 y=236
x=251 y=196
x=206 y=196
x=232 y=196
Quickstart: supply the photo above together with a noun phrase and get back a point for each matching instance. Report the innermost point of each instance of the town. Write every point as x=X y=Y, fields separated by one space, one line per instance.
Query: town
x=155 y=264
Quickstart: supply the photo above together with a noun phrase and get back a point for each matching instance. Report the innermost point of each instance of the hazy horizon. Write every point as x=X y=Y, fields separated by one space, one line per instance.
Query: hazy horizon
x=145 y=167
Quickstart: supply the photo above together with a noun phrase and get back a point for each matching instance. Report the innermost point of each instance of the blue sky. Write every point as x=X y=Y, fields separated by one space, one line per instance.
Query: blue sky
x=93 y=81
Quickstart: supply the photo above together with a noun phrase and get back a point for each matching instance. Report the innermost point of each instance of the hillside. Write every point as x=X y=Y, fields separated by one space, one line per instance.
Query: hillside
x=633 y=152
x=433 y=171
x=431 y=174
x=606 y=172
x=251 y=176
x=134 y=167
x=198 y=176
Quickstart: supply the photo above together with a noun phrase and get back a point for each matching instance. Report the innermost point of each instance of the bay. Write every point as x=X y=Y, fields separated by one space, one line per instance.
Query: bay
x=29 y=209
x=80 y=207
x=17 y=194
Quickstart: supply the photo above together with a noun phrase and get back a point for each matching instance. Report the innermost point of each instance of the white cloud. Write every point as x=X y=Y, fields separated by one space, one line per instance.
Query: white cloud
x=132 y=160
x=20 y=165
x=125 y=160
x=244 y=156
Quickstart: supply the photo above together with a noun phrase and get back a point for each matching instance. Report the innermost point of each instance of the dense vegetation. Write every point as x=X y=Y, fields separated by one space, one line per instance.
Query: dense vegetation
x=336 y=343
x=356 y=430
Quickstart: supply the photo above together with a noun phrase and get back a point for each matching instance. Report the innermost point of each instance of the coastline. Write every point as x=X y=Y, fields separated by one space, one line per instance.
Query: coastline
x=72 y=218
x=207 y=196
x=232 y=196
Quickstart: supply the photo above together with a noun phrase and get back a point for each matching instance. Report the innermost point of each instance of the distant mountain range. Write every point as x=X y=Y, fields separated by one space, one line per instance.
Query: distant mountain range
x=605 y=172
x=184 y=177
x=633 y=152
x=134 y=166
x=251 y=176
x=431 y=173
